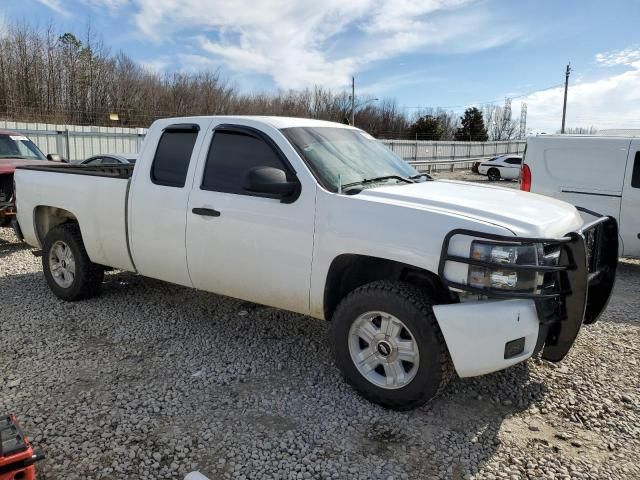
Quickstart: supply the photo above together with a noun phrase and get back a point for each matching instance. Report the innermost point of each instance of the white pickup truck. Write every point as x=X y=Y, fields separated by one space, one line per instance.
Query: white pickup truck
x=418 y=277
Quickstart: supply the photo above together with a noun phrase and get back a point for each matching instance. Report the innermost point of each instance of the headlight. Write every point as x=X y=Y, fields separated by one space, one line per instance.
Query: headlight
x=501 y=276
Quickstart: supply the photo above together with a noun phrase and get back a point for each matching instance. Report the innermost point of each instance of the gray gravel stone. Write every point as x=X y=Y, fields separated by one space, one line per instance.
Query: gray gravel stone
x=152 y=380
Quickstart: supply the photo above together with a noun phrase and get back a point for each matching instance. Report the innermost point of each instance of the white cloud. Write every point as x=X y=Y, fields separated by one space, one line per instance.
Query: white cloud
x=311 y=42
x=611 y=102
x=55 y=5
x=619 y=57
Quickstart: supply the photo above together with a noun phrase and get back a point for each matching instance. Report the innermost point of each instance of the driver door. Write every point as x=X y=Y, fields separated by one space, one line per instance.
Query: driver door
x=247 y=245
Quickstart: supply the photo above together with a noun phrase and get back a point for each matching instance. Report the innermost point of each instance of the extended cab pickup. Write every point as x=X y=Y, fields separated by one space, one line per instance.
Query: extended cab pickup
x=418 y=277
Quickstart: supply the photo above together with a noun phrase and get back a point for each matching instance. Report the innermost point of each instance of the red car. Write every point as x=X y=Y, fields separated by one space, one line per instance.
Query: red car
x=15 y=150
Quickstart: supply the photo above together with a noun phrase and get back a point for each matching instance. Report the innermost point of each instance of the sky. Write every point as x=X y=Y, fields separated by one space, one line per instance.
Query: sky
x=423 y=53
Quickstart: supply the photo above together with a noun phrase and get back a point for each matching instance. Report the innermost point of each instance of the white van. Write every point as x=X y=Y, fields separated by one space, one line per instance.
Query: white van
x=598 y=173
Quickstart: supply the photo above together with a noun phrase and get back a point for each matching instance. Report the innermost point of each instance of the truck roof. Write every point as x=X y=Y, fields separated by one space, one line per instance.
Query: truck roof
x=275 y=122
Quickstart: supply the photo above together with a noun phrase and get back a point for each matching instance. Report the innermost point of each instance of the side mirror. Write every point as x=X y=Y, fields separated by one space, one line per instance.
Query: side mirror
x=54 y=157
x=269 y=180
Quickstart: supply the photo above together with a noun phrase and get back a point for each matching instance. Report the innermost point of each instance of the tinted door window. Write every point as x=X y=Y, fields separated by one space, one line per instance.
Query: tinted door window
x=231 y=156
x=171 y=161
x=513 y=161
x=635 y=177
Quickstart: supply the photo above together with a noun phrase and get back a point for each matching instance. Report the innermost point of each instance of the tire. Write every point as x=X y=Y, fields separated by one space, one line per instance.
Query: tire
x=5 y=221
x=424 y=377
x=493 y=174
x=66 y=265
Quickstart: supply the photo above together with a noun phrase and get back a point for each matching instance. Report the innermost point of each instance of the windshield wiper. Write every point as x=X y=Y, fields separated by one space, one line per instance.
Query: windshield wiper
x=19 y=157
x=420 y=175
x=377 y=179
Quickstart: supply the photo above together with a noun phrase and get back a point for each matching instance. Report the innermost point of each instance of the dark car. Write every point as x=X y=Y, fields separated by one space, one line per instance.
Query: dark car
x=111 y=159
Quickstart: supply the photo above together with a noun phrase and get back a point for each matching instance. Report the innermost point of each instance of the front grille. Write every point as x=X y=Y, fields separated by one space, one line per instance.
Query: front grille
x=6 y=188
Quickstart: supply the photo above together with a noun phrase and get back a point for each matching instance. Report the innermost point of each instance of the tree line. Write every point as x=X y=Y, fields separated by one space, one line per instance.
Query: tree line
x=50 y=77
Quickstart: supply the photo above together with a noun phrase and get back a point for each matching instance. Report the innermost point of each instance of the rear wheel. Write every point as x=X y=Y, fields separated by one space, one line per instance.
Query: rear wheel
x=493 y=174
x=389 y=346
x=66 y=265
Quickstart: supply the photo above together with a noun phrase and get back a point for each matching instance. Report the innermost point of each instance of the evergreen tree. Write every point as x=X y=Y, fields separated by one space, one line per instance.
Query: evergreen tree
x=472 y=127
x=427 y=127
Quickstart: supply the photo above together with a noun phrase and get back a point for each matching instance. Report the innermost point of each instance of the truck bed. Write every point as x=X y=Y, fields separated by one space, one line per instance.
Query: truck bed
x=112 y=171
x=95 y=195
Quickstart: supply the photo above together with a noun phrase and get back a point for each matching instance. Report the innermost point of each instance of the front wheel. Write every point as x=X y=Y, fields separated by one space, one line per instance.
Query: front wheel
x=493 y=174
x=67 y=268
x=389 y=346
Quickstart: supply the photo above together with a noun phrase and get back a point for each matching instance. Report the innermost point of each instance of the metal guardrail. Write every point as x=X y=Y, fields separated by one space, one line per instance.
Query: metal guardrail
x=428 y=156
x=448 y=165
x=441 y=151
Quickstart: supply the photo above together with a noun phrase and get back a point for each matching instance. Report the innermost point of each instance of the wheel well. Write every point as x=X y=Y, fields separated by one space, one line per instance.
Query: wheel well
x=349 y=271
x=47 y=218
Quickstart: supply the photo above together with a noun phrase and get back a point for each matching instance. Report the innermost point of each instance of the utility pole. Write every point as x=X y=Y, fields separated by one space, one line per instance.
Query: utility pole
x=353 y=101
x=566 y=88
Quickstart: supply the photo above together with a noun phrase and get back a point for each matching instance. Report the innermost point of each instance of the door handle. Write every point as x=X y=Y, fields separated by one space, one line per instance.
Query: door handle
x=206 y=212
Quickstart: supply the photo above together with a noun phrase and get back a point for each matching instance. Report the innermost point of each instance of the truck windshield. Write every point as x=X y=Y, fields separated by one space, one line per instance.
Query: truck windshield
x=19 y=146
x=342 y=156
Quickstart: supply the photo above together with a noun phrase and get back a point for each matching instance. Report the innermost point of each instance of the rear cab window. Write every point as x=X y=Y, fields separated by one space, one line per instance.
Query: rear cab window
x=171 y=161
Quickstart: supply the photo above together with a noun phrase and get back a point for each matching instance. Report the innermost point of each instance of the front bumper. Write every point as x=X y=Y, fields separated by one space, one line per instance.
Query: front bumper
x=579 y=288
x=476 y=333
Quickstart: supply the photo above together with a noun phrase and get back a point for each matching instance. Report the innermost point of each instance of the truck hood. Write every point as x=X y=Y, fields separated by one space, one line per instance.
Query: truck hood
x=8 y=165
x=524 y=214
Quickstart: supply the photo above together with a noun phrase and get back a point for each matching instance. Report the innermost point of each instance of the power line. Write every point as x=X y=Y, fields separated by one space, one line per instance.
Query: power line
x=488 y=102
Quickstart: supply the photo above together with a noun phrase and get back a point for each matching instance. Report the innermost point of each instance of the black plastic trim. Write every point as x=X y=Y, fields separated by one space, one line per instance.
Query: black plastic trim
x=109 y=171
x=205 y=212
x=177 y=127
x=126 y=225
x=593 y=194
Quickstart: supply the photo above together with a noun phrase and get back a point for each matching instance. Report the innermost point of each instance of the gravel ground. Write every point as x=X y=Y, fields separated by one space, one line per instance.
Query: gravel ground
x=151 y=381
x=469 y=176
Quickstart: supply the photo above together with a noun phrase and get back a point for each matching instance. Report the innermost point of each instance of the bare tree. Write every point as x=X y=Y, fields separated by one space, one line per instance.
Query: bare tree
x=500 y=125
x=61 y=77
x=581 y=130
